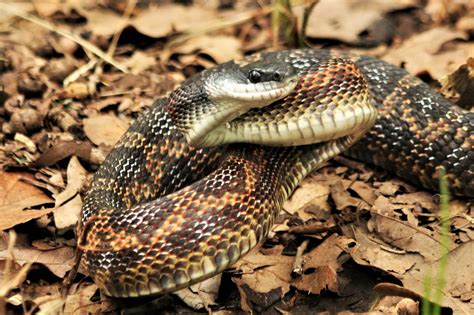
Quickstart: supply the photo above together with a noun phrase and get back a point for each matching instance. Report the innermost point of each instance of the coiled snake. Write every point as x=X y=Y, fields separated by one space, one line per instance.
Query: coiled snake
x=160 y=215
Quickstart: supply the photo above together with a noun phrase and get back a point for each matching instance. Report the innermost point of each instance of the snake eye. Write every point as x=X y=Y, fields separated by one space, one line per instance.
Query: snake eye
x=254 y=76
x=276 y=77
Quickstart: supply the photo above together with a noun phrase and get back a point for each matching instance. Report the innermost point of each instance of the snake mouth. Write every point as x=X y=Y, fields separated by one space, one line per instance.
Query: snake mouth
x=230 y=99
x=259 y=94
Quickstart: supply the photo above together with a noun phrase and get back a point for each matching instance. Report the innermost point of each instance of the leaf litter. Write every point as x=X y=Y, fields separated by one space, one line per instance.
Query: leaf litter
x=346 y=232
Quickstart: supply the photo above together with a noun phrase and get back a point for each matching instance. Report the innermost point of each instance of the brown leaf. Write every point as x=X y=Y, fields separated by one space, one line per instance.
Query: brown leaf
x=422 y=198
x=405 y=236
x=343 y=199
x=389 y=188
x=166 y=19
x=103 y=22
x=15 y=196
x=202 y=294
x=221 y=48
x=264 y=273
x=62 y=150
x=76 y=176
x=76 y=303
x=311 y=195
x=424 y=53
x=139 y=62
x=370 y=253
x=319 y=268
x=58 y=261
x=459 y=272
x=68 y=214
x=365 y=191
x=459 y=85
x=346 y=20
x=104 y=129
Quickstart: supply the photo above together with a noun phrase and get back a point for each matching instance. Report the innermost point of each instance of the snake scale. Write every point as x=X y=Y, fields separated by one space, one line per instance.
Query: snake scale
x=173 y=204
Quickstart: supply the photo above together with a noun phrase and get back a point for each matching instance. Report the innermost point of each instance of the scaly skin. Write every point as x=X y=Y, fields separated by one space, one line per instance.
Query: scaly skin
x=160 y=216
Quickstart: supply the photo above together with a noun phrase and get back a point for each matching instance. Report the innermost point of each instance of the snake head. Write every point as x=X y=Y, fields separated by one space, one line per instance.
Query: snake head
x=251 y=85
x=225 y=92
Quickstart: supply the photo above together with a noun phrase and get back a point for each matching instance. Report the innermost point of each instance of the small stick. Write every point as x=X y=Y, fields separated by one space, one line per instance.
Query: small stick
x=298 y=263
x=312 y=228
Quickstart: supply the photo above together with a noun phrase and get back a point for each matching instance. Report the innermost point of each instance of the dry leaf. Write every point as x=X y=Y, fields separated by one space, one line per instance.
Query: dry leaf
x=16 y=195
x=264 y=273
x=365 y=191
x=459 y=85
x=319 y=268
x=78 y=302
x=221 y=48
x=103 y=22
x=104 y=129
x=139 y=62
x=201 y=295
x=165 y=19
x=62 y=150
x=423 y=53
x=311 y=195
x=58 y=261
x=371 y=253
x=343 y=199
x=346 y=20
x=76 y=176
x=67 y=215
x=459 y=273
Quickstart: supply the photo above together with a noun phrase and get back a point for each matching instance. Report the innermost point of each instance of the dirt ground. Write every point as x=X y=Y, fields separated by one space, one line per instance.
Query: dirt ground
x=353 y=238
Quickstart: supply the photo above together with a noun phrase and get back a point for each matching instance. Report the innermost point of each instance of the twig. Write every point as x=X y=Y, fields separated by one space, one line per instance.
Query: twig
x=10 y=280
x=304 y=24
x=72 y=36
x=312 y=228
x=126 y=18
x=298 y=263
x=76 y=74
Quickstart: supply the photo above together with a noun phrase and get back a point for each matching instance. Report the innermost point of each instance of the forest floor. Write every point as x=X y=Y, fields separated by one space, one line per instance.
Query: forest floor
x=352 y=239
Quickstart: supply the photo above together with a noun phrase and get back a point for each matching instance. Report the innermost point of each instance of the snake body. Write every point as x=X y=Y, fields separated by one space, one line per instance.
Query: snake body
x=161 y=216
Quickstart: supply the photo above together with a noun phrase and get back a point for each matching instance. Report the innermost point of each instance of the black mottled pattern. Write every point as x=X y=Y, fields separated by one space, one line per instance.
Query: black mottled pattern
x=417 y=131
x=161 y=215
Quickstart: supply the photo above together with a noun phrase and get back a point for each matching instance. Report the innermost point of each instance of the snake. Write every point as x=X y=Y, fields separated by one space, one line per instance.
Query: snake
x=198 y=179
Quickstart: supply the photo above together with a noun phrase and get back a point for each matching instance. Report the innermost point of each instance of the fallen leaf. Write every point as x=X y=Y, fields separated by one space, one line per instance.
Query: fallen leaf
x=201 y=295
x=58 y=261
x=371 y=253
x=423 y=53
x=346 y=20
x=365 y=191
x=76 y=303
x=160 y=21
x=62 y=150
x=104 y=129
x=15 y=196
x=139 y=62
x=388 y=188
x=343 y=199
x=319 y=268
x=221 y=48
x=459 y=272
x=76 y=176
x=459 y=85
x=67 y=215
x=263 y=273
x=310 y=195
x=103 y=22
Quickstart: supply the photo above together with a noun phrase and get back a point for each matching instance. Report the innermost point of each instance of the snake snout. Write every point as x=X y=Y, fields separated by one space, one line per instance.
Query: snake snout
x=234 y=91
